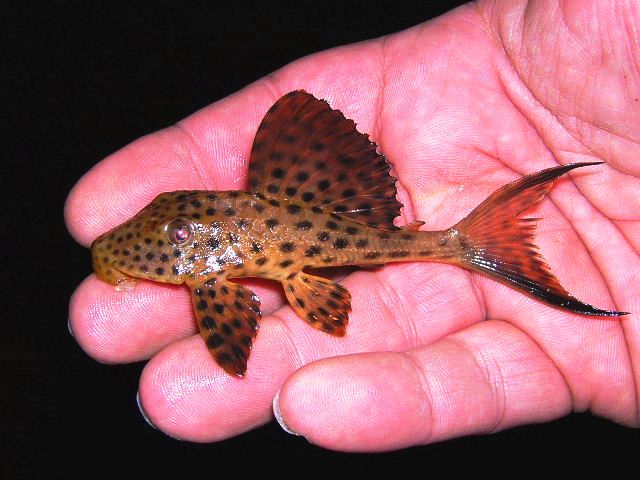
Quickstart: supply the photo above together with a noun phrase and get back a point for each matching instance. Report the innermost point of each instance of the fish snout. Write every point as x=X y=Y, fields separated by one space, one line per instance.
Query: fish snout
x=104 y=260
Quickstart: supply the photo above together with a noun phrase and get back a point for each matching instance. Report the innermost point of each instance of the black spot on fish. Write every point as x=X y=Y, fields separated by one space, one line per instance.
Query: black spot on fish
x=293 y=209
x=208 y=322
x=313 y=251
x=287 y=247
x=271 y=223
x=341 y=243
x=323 y=236
x=215 y=341
x=323 y=185
x=226 y=329
x=304 y=225
x=348 y=193
x=365 y=208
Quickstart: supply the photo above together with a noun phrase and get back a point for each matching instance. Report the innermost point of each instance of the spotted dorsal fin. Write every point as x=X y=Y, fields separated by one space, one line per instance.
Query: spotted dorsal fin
x=305 y=150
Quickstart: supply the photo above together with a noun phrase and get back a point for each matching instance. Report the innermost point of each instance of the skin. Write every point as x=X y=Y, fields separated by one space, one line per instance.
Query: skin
x=432 y=351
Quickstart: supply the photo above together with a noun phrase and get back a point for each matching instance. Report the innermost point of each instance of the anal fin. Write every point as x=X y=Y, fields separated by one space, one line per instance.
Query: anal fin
x=227 y=315
x=323 y=304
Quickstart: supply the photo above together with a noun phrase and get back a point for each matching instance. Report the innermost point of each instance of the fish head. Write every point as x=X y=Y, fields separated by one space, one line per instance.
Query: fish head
x=160 y=243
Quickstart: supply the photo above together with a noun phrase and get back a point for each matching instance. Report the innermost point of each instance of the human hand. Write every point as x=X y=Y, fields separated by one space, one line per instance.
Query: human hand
x=486 y=85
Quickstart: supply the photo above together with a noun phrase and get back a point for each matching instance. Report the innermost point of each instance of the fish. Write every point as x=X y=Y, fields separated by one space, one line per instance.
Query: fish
x=320 y=195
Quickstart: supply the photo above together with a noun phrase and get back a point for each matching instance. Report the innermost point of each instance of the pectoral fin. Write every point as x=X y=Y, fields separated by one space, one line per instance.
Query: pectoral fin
x=227 y=316
x=323 y=304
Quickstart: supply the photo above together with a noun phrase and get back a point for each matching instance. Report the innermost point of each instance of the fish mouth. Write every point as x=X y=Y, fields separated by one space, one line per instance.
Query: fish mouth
x=107 y=272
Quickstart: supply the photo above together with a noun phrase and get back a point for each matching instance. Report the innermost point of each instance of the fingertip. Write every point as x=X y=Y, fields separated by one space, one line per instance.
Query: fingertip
x=277 y=413
x=86 y=320
x=143 y=413
x=357 y=403
x=126 y=326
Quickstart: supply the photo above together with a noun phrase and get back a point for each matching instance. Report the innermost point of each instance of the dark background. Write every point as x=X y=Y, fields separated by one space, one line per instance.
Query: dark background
x=82 y=81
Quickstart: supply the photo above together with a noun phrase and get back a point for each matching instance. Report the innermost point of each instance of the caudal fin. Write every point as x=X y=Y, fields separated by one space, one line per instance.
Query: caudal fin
x=499 y=244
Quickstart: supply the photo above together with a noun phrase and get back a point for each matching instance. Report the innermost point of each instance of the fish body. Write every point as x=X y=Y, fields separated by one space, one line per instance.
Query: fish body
x=319 y=195
x=243 y=234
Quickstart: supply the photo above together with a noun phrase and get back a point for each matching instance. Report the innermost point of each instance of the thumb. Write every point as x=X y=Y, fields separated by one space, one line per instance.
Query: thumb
x=488 y=377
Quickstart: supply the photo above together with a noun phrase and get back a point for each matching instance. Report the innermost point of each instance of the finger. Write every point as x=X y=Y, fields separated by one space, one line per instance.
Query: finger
x=185 y=156
x=209 y=150
x=127 y=326
x=386 y=316
x=212 y=405
x=488 y=377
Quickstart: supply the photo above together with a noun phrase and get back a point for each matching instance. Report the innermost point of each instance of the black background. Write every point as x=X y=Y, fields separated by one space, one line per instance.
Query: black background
x=82 y=81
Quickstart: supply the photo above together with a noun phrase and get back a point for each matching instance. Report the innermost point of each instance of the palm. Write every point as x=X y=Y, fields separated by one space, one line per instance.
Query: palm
x=437 y=99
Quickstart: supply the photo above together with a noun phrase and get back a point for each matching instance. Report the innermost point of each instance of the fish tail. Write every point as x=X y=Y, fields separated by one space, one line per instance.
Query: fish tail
x=496 y=242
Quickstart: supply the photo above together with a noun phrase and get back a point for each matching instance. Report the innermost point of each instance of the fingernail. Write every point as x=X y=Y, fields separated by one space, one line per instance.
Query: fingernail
x=278 y=414
x=69 y=326
x=144 y=415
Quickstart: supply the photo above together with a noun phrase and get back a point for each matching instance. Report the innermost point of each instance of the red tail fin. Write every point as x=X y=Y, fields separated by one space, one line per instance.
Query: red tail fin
x=500 y=245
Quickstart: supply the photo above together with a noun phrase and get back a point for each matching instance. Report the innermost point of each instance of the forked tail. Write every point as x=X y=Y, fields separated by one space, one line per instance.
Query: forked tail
x=497 y=243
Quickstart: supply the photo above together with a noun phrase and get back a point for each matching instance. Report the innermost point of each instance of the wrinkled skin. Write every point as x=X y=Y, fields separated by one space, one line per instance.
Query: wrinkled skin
x=508 y=87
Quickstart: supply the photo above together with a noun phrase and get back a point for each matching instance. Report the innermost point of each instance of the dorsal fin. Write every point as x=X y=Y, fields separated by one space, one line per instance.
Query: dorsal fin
x=305 y=150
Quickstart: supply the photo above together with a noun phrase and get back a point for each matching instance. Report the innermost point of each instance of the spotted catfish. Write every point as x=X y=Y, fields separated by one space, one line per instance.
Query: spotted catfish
x=319 y=195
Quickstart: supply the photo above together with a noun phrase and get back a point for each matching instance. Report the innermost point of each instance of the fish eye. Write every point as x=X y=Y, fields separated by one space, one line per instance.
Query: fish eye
x=179 y=232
